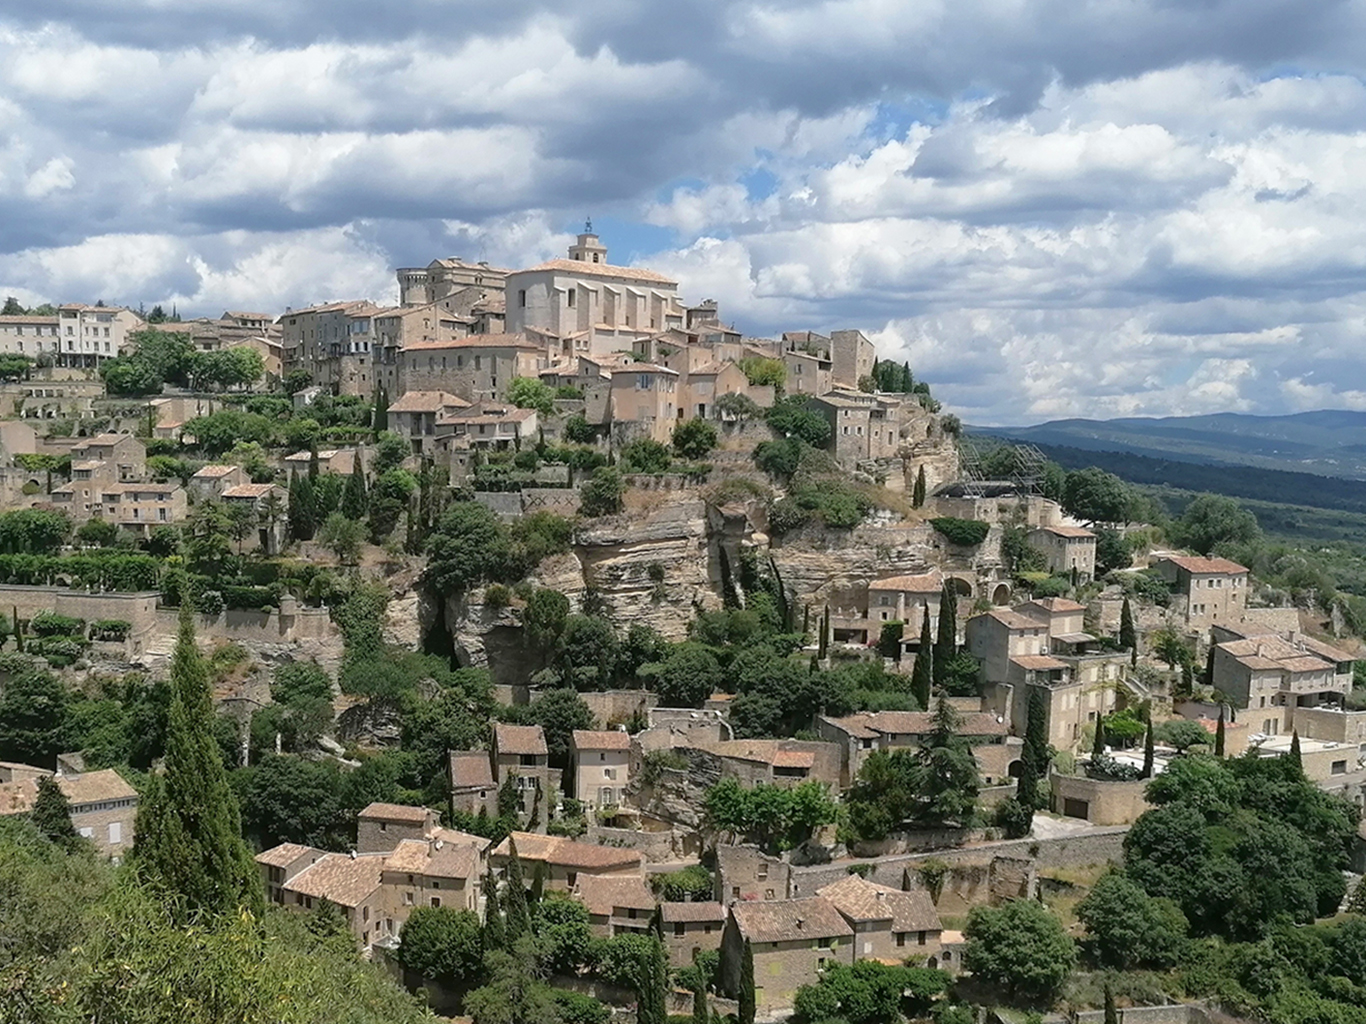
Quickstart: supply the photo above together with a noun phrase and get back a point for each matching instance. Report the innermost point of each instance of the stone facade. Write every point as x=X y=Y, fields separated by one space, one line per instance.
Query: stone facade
x=1099 y=802
x=1066 y=549
x=1209 y=591
x=790 y=940
x=601 y=763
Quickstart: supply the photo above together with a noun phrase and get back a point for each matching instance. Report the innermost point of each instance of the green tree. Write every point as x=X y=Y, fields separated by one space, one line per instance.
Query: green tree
x=390 y=452
x=1129 y=930
x=513 y=993
x=686 y=678
x=1219 y=734
x=922 y=673
x=1034 y=754
x=469 y=546
x=918 y=491
x=746 y=996
x=303 y=521
x=379 y=418
x=33 y=719
x=188 y=827
x=1212 y=519
x=1128 y=635
x=543 y=620
x=530 y=393
x=790 y=417
x=517 y=915
x=946 y=643
x=1111 y=1014
x=868 y=992
x=737 y=407
x=949 y=778
x=1148 y=752
x=288 y=799
x=98 y=533
x=355 y=503
x=1020 y=946
x=342 y=536
x=694 y=439
x=760 y=371
x=577 y=430
x=443 y=944
x=1096 y=496
x=644 y=455
x=889 y=639
x=51 y=814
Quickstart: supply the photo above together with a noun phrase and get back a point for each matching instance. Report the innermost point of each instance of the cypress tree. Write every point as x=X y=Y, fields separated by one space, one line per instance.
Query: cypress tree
x=1034 y=755
x=1295 y=748
x=18 y=631
x=918 y=492
x=302 y=522
x=495 y=932
x=514 y=902
x=380 y=419
x=51 y=814
x=1148 y=754
x=1111 y=1014
x=699 y=1005
x=1219 y=734
x=922 y=674
x=946 y=646
x=1098 y=744
x=1187 y=680
x=189 y=835
x=354 y=504
x=654 y=979
x=538 y=882
x=1209 y=667
x=1128 y=636
x=746 y=1008
x=823 y=644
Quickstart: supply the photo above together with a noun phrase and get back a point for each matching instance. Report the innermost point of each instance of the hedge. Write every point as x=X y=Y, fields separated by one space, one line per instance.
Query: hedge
x=966 y=533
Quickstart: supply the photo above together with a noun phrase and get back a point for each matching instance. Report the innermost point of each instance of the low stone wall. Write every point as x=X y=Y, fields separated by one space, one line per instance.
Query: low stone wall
x=563 y=500
x=663 y=482
x=507 y=504
x=1175 y=1013
x=137 y=608
x=295 y=623
x=615 y=707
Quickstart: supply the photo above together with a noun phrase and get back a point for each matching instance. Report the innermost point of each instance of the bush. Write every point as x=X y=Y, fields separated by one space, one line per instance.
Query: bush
x=110 y=629
x=1014 y=818
x=965 y=533
x=694 y=438
x=52 y=624
x=601 y=496
x=644 y=455
x=496 y=595
x=577 y=430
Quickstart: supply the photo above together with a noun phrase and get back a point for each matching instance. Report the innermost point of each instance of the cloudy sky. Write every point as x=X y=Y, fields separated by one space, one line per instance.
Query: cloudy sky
x=1051 y=208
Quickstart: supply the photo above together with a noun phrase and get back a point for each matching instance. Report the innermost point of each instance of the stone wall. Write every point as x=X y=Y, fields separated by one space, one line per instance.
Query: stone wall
x=137 y=608
x=615 y=707
x=656 y=847
x=1099 y=802
x=1175 y=1013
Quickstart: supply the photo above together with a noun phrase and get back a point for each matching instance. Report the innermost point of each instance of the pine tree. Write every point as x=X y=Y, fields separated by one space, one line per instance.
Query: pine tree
x=1128 y=636
x=495 y=931
x=1219 y=734
x=1034 y=755
x=1111 y=1014
x=51 y=814
x=380 y=420
x=918 y=492
x=1098 y=744
x=354 y=504
x=946 y=646
x=746 y=1008
x=302 y=521
x=1295 y=749
x=189 y=836
x=518 y=914
x=922 y=674
x=1148 y=753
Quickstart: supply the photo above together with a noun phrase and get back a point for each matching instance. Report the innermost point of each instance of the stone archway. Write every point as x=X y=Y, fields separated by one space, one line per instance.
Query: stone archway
x=1014 y=769
x=961 y=587
x=1000 y=594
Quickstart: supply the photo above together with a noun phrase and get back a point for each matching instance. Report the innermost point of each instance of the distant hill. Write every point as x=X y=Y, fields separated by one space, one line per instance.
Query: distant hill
x=1325 y=443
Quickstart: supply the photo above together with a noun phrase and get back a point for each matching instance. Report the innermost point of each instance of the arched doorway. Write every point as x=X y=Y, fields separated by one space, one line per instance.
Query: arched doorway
x=1000 y=594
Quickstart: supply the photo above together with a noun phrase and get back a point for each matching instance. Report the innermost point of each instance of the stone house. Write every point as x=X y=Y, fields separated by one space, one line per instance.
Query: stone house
x=444 y=280
x=746 y=873
x=889 y=924
x=341 y=461
x=123 y=454
x=487 y=424
x=269 y=505
x=690 y=928
x=520 y=752
x=850 y=422
x=564 y=860
x=1066 y=548
x=171 y=413
x=138 y=507
x=1208 y=591
x=585 y=293
x=29 y=336
x=472 y=784
x=281 y=863
x=643 y=400
x=617 y=904
x=807 y=359
x=353 y=882
x=601 y=762
x=209 y=482
x=380 y=827
x=904 y=599
x=851 y=358
x=324 y=340
x=476 y=368
x=91 y=334
x=415 y=415
x=775 y=762
x=396 y=329
x=1270 y=678
x=859 y=734
x=790 y=940
x=104 y=807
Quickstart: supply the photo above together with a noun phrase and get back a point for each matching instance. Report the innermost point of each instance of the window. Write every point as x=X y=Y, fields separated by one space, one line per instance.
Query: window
x=407 y=899
x=609 y=773
x=901 y=938
x=521 y=297
x=436 y=901
x=920 y=938
x=116 y=827
x=602 y=757
x=1339 y=768
x=679 y=928
x=768 y=894
x=571 y=298
x=365 y=914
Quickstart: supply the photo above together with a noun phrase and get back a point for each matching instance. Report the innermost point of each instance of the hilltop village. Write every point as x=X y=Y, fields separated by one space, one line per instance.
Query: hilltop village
x=565 y=653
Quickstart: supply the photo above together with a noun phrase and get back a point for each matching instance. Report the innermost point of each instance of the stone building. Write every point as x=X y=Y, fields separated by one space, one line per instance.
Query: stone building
x=1270 y=678
x=332 y=342
x=104 y=807
x=858 y=735
x=1208 y=591
x=1066 y=548
x=484 y=425
x=888 y=924
x=617 y=904
x=397 y=329
x=472 y=784
x=267 y=506
x=601 y=762
x=790 y=940
x=453 y=281
x=851 y=358
x=690 y=928
x=414 y=417
x=520 y=752
x=585 y=293
x=564 y=860
x=91 y=334
x=109 y=482
x=209 y=482
x=745 y=873
x=644 y=401
x=476 y=368
x=29 y=336
x=904 y=599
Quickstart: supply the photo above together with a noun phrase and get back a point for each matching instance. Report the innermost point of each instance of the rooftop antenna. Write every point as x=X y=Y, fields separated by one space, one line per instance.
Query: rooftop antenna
x=588 y=225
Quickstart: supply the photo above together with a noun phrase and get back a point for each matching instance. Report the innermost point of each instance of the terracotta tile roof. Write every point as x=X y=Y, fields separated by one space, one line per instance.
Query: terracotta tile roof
x=20 y=319
x=214 y=472
x=452 y=862
x=593 y=739
x=344 y=880
x=249 y=491
x=916 y=723
x=101 y=440
x=470 y=769
x=1074 y=638
x=519 y=739
x=395 y=812
x=440 y=858
x=683 y=913
x=1325 y=651
x=601 y=893
x=409 y=856
x=794 y=759
x=788 y=920
x=1205 y=566
x=1058 y=604
x=95 y=787
x=567 y=853
x=923 y=583
x=427 y=401
x=1038 y=662
x=17 y=797
x=854 y=726
x=861 y=900
x=1013 y=619
x=238 y=315
x=284 y=855
x=1272 y=652
x=1071 y=532
x=475 y=341
x=587 y=269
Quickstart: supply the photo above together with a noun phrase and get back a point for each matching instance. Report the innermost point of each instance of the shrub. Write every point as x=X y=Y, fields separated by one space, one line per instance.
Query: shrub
x=577 y=430
x=109 y=629
x=644 y=455
x=496 y=595
x=965 y=533
x=601 y=496
x=694 y=438
x=52 y=624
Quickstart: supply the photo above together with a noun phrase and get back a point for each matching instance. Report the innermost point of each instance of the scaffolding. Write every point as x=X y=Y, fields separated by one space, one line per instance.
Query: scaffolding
x=1024 y=468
